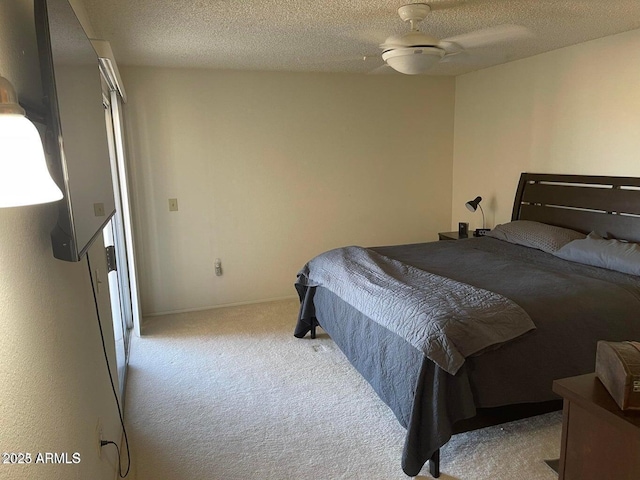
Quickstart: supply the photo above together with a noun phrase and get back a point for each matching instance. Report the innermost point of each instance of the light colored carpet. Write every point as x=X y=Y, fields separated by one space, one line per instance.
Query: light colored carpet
x=230 y=394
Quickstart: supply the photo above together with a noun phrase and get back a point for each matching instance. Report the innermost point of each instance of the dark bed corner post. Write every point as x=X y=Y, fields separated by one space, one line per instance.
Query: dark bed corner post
x=434 y=464
x=517 y=202
x=314 y=324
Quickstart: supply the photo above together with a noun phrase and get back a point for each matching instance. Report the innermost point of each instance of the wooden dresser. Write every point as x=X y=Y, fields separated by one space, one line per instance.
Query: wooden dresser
x=599 y=441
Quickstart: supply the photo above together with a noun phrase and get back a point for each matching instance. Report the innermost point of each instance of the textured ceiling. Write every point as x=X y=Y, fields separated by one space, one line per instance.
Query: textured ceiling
x=339 y=35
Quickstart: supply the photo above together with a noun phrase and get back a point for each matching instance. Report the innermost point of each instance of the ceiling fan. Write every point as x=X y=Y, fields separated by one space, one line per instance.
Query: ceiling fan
x=415 y=52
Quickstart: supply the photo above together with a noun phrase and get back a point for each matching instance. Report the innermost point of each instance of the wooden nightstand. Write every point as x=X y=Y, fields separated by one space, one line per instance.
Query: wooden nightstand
x=598 y=439
x=450 y=236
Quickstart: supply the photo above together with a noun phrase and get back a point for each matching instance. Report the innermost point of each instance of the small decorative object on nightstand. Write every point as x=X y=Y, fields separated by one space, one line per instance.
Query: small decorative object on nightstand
x=457 y=236
x=598 y=439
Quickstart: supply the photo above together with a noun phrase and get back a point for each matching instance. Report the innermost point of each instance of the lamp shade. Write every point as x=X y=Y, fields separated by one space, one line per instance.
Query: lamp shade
x=24 y=177
x=472 y=205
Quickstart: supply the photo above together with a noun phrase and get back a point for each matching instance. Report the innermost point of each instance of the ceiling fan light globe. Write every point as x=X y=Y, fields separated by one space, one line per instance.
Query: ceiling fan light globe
x=414 y=60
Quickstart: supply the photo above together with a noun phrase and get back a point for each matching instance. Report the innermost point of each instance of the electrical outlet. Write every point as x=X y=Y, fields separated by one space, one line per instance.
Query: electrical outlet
x=99 y=433
x=173 y=204
x=98 y=209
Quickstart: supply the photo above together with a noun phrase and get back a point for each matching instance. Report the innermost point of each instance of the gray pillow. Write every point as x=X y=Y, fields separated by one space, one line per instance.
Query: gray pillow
x=610 y=254
x=547 y=238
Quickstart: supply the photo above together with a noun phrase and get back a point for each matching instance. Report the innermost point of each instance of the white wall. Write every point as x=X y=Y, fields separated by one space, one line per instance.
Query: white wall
x=271 y=169
x=54 y=381
x=574 y=110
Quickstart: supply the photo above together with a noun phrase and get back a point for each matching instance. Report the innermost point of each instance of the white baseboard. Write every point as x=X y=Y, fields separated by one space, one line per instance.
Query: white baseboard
x=224 y=305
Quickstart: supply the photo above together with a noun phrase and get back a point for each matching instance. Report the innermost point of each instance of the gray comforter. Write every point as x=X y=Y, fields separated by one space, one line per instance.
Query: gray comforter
x=444 y=319
x=573 y=306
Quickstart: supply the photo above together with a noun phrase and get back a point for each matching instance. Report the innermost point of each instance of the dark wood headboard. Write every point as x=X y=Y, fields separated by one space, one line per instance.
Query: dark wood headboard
x=607 y=205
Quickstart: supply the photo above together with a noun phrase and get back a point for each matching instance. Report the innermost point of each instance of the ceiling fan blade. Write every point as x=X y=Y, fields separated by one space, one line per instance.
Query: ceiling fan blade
x=465 y=58
x=367 y=62
x=477 y=58
x=449 y=4
x=382 y=70
x=369 y=37
x=488 y=36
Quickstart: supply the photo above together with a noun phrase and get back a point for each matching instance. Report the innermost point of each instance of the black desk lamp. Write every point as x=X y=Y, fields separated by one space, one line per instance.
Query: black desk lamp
x=472 y=206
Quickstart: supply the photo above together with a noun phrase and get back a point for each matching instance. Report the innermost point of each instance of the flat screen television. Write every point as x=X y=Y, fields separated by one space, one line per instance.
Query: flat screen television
x=76 y=134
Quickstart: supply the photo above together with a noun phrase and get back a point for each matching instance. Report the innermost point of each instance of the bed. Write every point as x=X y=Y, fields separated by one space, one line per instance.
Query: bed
x=439 y=388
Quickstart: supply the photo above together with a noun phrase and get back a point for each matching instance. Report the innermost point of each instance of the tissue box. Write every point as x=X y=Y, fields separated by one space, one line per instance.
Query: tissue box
x=618 y=368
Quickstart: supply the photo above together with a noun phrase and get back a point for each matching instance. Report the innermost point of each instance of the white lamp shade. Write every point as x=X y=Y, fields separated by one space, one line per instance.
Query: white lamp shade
x=24 y=177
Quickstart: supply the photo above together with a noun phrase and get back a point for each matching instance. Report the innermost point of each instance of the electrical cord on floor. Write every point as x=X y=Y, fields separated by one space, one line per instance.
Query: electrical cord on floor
x=113 y=387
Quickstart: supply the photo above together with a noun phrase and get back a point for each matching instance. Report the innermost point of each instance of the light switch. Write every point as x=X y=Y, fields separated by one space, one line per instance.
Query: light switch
x=173 y=204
